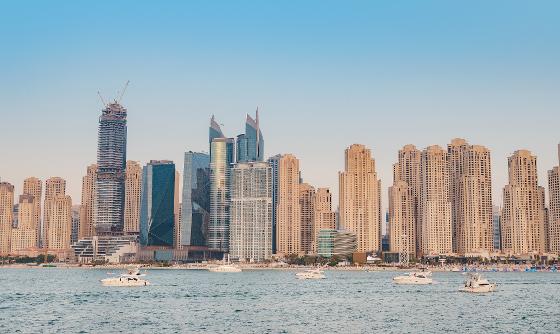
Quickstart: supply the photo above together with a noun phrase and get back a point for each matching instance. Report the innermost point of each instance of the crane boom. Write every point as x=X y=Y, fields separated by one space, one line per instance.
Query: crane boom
x=123 y=91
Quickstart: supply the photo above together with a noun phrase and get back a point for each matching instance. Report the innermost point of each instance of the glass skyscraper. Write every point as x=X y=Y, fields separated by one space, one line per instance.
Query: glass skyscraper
x=111 y=162
x=250 y=146
x=195 y=215
x=221 y=159
x=157 y=216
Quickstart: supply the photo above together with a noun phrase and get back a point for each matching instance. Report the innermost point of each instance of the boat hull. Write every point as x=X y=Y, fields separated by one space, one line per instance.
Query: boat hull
x=480 y=289
x=124 y=282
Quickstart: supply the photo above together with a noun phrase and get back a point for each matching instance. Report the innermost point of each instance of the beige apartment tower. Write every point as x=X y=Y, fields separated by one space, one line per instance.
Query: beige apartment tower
x=6 y=216
x=86 y=228
x=470 y=192
x=33 y=186
x=323 y=216
x=288 y=212
x=133 y=187
x=54 y=186
x=434 y=207
x=523 y=213
x=306 y=204
x=58 y=218
x=404 y=229
x=24 y=236
x=360 y=198
x=554 y=207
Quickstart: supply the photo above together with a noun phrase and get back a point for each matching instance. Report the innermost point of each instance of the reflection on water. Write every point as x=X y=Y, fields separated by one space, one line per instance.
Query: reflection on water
x=73 y=300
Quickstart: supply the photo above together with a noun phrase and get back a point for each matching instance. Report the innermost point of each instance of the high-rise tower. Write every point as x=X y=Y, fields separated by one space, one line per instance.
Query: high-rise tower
x=111 y=163
x=195 y=213
x=33 y=186
x=6 y=216
x=86 y=229
x=288 y=210
x=132 y=198
x=434 y=205
x=250 y=146
x=470 y=192
x=523 y=213
x=554 y=207
x=360 y=198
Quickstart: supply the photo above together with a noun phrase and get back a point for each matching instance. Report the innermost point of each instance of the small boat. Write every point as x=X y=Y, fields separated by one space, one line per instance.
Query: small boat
x=416 y=278
x=477 y=284
x=227 y=267
x=316 y=273
x=131 y=278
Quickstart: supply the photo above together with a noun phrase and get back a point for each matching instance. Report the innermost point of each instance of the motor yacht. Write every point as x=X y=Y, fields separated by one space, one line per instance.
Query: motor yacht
x=316 y=273
x=416 y=278
x=131 y=278
x=226 y=267
x=477 y=284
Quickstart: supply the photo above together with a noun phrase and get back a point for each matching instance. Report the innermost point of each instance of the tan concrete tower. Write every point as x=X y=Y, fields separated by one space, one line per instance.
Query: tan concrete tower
x=133 y=185
x=323 y=216
x=87 y=229
x=33 y=186
x=6 y=216
x=470 y=193
x=523 y=220
x=434 y=205
x=360 y=198
x=288 y=212
x=306 y=204
x=404 y=230
x=554 y=207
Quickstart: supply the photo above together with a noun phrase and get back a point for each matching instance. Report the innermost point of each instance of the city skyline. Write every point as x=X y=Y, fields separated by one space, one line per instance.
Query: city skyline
x=387 y=86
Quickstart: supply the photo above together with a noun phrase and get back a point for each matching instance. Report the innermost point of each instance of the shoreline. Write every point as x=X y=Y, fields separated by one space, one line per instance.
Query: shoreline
x=458 y=269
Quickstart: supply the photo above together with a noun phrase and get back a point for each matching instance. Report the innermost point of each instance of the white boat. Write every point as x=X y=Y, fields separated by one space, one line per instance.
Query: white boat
x=227 y=267
x=311 y=274
x=416 y=278
x=131 y=278
x=477 y=284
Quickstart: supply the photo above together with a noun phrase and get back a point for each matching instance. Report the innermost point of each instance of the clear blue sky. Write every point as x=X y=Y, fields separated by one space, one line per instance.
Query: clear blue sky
x=325 y=74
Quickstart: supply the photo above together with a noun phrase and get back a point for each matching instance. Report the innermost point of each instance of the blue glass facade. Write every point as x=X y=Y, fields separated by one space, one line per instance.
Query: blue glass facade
x=250 y=146
x=157 y=217
x=196 y=199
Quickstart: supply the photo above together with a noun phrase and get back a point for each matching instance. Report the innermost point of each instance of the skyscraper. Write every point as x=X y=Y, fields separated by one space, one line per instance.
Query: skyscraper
x=75 y=230
x=176 y=213
x=360 y=198
x=58 y=219
x=273 y=162
x=434 y=204
x=214 y=132
x=111 y=163
x=470 y=191
x=157 y=214
x=86 y=229
x=404 y=229
x=222 y=157
x=195 y=213
x=554 y=207
x=25 y=234
x=523 y=220
x=6 y=216
x=33 y=186
x=307 y=207
x=496 y=218
x=323 y=216
x=288 y=211
x=251 y=211
x=250 y=146
x=133 y=187
x=54 y=187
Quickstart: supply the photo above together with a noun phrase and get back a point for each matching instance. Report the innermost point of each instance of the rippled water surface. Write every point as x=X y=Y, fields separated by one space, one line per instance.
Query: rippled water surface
x=55 y=300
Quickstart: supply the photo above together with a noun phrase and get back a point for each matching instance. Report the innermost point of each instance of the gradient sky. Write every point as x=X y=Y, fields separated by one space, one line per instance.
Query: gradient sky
x=325 y=74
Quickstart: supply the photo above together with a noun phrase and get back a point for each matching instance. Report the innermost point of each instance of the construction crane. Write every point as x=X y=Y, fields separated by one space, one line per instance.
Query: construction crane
x=123 y=91
x=102 y=99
